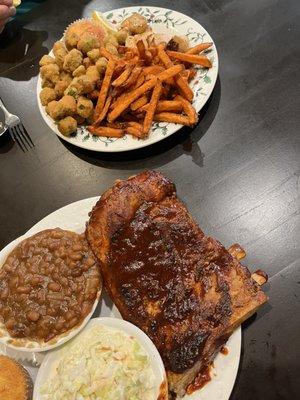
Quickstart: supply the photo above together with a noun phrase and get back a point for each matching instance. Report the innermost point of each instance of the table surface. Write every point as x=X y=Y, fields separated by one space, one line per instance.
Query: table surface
x=237 y=171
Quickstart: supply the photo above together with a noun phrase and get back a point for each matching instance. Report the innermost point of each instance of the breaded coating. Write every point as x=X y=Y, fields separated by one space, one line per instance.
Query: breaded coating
x=93 y=73
x=47 y=95
x=88 y=43
x=86 y=62
x=67 y=126
x=53 y=110
x=65 y=76
x=84 y=107
x=46 y=83
x=72 y=60
x=101 y=65
x=50 y=72
x=67 y=105
x=60 y=88
x=135 y=24
x=46 y=60
x=93 y=55
x=59 y=51
x=79 y=71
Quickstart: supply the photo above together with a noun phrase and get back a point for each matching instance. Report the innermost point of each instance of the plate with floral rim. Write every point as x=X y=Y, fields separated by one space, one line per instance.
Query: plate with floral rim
x=162 y=21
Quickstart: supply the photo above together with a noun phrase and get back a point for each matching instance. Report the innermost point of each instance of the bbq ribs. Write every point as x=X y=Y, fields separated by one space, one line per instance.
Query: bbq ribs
x=182 y=288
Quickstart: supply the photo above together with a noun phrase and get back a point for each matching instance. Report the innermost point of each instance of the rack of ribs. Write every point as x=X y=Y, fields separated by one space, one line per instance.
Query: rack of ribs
x=181 y=287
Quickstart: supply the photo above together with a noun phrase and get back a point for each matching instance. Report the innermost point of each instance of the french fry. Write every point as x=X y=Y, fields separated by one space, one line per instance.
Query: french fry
x=135 y=94
x=164 y=105
x=134 y=132
x=140 y=81
x=106 y=131
x=170 y=72
x=135 y=73
x=139 y=103
x=93 y=95
x=202 y=60
x=180 y=81
x=149 y=57
x=192 y=74
x=152 y=107
x=130 y=98
x=105 y=87
x=153 y=50
x=103 y=112
x=169 y=105
x=122 y=49
x=141 y=48
x=105 y=53
x=118 y=125
x=153 y=70
x=123 y=77
x=172 y=117
x=188 y=109
x=199 y=47
x=119 y=100
x=135 y=129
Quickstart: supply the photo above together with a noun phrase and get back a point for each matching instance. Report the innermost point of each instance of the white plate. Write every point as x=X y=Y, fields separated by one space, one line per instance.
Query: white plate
x=50 y=363
x=74 y=217
x=170 y=23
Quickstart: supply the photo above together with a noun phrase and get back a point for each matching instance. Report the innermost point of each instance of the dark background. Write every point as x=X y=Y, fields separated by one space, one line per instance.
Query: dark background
x=237 y=171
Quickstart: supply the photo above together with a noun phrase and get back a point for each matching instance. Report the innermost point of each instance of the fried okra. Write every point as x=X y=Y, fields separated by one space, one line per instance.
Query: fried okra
x=92 y=72
x=93 y=55
x=79 y=71
x=60 y=52
x=46 y=60
x=84 y=107
x=60 y=88
x=52 y=109
x=88 y=43
x=67 y=105
x=47 y=95
x=101 y=65
x=50 y=72
x=72 y=60
x=67 y=126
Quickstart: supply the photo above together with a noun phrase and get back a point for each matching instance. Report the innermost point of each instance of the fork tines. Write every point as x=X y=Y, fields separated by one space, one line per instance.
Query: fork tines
x=20 y=135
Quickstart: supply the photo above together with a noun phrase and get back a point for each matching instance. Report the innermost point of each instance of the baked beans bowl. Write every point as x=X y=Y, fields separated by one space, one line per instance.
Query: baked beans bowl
x=50 y=285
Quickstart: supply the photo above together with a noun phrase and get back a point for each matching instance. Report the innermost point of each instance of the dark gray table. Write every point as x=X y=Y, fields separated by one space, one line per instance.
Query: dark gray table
x=237 y=170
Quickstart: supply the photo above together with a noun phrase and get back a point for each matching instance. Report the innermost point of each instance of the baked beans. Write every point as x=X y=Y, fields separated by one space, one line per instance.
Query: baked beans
x=48 y=285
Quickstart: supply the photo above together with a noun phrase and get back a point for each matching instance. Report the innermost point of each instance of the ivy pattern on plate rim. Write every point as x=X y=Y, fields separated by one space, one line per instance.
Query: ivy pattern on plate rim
x=157 y=16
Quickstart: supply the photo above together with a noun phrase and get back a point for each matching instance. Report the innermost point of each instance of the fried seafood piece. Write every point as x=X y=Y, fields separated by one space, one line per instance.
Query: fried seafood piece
x=135 y=24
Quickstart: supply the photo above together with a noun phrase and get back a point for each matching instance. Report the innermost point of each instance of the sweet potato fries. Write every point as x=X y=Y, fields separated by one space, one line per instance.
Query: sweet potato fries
x=145 y=84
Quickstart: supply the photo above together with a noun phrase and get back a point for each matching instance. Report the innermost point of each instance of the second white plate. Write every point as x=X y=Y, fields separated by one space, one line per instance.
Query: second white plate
x=74 y=217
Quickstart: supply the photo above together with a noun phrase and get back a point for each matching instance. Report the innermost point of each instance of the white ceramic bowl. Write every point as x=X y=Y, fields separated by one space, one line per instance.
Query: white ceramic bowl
x=52 y=359
x=32 y=346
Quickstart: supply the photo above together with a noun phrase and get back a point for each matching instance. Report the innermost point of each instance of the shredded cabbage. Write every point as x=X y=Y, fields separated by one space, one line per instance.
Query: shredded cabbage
x=102 y=363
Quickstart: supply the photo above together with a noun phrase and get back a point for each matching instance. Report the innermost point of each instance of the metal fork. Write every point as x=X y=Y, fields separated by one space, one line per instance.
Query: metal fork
x=16 y=129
